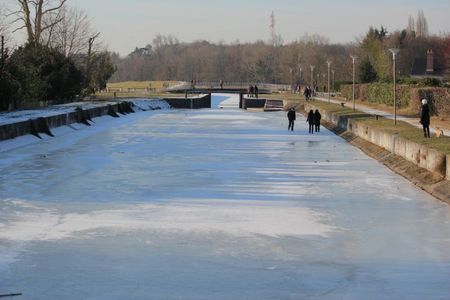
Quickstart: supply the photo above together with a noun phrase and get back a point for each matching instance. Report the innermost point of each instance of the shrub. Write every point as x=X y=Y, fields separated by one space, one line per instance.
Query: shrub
x=44 y=74
x=433 y=82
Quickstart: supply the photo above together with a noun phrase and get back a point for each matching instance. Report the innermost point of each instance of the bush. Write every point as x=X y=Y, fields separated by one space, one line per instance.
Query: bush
x=432 y=82
x=438 y=98
x=384 y=93
x=378 y=93
x=339 y=84
x=44 y=74
x=408 y=96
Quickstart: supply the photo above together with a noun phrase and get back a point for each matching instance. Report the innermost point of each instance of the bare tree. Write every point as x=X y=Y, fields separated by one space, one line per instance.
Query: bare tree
x=4 y=26
x=70 y=33
x=411 y=25
x=89 y=57
x=33 y=13
x=421 y=25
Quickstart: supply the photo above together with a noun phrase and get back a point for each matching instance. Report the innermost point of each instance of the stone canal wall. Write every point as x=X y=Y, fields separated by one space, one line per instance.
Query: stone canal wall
x=44 y=124
x=39 y=125
x=424 y=157
x=198 y=102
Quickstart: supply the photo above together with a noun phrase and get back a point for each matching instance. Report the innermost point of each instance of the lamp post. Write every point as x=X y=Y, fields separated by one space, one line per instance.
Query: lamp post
x=312 y=76
x=318 y=82
x=353 y=61
x=328 y=89
x=300 y=71
x=394 y=52
x=290 y=77
x=332 y=80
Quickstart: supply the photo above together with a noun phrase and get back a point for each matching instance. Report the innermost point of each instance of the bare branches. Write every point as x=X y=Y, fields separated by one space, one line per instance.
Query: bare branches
x=33 y=13
x=67 y=31
x=60 y=5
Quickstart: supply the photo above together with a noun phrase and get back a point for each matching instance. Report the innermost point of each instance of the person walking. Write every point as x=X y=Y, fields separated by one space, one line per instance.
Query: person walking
x=317 y=118
x=425 y=118
x=291 y=117
x=311 y=121
x=250 y=91
x=306 y=93
x=256 y=90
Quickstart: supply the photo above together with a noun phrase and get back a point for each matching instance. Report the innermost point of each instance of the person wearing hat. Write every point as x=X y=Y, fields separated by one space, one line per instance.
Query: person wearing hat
x=291 y=117
x=425 y=118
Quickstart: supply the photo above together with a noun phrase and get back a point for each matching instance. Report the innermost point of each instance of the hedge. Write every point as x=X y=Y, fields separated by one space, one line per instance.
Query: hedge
x=409 y=96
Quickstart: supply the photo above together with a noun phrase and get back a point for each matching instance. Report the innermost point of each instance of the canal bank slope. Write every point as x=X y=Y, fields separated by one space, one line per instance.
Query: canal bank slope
x=425 y=165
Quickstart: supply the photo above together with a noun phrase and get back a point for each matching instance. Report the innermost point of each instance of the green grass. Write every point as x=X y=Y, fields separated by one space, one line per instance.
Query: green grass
x=119 y=95
x=403 y=129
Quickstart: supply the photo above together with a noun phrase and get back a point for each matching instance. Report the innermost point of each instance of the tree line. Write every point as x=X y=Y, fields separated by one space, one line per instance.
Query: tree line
x=166 y=58
x=61 y=59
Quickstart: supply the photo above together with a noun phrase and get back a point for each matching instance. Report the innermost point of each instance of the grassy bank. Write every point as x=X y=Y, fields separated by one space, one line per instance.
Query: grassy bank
x=149 y=95
x=403 y=129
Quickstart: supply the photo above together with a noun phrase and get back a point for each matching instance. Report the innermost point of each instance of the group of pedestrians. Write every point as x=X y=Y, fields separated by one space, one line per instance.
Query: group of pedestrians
x=313 y=120
x=253 y=91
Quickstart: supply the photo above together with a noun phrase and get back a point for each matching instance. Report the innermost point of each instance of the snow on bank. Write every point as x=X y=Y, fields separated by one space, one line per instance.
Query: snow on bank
x=23 y=115
x=150 y=104
x=26 y=114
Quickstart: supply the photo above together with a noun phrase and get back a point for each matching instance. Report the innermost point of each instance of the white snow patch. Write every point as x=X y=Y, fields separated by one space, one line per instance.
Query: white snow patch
x=234 y=218
x=150 y=104
x=231 y=101
x=230 y=117
x=24 y=115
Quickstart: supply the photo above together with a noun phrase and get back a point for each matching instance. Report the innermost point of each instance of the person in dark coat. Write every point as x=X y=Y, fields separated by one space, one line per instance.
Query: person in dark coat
x=425 y=118
x=311 y=121
x=291 y=117
x=306 y=93
x=256 y=91
x=250 y=91
x=317 y=118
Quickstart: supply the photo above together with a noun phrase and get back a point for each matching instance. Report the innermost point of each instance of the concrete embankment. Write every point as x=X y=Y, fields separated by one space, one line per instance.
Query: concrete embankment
x=427 y=168
x=44 y=124
x=197 y=102
x=258 y=103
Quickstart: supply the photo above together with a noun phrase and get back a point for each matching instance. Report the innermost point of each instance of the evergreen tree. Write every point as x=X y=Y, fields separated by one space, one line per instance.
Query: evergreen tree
x=374 y=49
x=44 y=74
x=367 y=72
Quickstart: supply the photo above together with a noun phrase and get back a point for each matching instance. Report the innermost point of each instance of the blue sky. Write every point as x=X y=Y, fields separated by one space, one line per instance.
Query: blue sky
x=130 y=23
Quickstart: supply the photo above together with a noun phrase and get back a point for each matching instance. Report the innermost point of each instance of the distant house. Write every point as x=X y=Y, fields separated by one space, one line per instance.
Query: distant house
x=424 y=67
x=142 y=51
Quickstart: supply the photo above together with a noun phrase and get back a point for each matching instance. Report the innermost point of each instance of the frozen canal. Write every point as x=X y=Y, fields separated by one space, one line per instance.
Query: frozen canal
x=213 y=204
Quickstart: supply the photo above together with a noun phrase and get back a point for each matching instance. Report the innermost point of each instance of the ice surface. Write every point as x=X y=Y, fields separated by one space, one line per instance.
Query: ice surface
x=213 y=204
x=225 y=101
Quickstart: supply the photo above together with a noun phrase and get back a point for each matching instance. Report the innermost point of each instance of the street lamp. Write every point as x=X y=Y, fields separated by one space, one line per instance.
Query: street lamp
x=312 y=75
x=318 y=82
x=353 y=61
x=329 y=94
x=290 y=75
x=301 y=78
x=394 y=52
x=332 y=80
